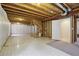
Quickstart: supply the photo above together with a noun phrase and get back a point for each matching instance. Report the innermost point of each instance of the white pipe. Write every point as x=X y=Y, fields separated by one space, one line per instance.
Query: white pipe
x=66 y=10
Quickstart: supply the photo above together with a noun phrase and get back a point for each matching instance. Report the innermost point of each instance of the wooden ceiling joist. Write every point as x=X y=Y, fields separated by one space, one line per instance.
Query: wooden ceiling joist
x=22 y=12
x=42 y=11
x=25 y=10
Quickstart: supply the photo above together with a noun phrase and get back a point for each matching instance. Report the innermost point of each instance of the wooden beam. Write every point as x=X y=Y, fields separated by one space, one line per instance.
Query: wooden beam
x=34 y=8
x=19 y=12
x=56 y=17
x=24 y=10
x=24 y=15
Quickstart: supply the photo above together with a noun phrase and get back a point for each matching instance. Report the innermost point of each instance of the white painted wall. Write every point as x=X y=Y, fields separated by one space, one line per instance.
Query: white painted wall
x=56 y=29
x=61 y=29
x=4 y=27
x=22 y=30
x=66 y=30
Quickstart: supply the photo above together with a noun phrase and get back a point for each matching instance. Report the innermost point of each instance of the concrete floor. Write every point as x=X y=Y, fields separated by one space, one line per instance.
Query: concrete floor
x=29 y=46
x=71 y=49
x=77 y=43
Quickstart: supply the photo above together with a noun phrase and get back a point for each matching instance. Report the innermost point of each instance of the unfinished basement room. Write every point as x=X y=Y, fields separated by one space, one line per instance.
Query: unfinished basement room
x=39 y=29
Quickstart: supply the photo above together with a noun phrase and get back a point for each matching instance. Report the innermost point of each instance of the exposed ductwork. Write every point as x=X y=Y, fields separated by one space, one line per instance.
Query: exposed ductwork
x=65 y=9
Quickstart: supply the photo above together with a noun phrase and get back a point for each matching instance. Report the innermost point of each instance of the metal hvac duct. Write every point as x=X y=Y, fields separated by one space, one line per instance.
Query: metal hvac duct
x=65 y=9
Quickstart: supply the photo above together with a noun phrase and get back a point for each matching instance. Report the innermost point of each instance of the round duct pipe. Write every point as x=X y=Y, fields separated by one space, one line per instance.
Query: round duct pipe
x=66 y=10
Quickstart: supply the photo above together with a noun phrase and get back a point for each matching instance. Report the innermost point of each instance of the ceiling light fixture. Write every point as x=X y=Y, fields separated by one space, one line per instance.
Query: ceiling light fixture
x=51 y=11
x=19 y=19
x=17 y=23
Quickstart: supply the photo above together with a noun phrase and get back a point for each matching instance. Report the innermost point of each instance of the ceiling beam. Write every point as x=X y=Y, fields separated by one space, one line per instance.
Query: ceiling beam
x=57 y=16
x=20 y=12
x=34 y=8
x=24 y=10
x=23 y=22
x=23 y=15
x=67 y=6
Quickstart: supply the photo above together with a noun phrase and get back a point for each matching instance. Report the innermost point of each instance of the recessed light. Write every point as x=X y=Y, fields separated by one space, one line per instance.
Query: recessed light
x=51 y=11
x=19 y=19
x=17 y=23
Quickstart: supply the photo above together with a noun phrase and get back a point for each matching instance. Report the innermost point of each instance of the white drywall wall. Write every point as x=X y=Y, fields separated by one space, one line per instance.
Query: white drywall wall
x=56 y=29
x=19 y=29
x=4 y=27
x=61 y=29
x=66 y=30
